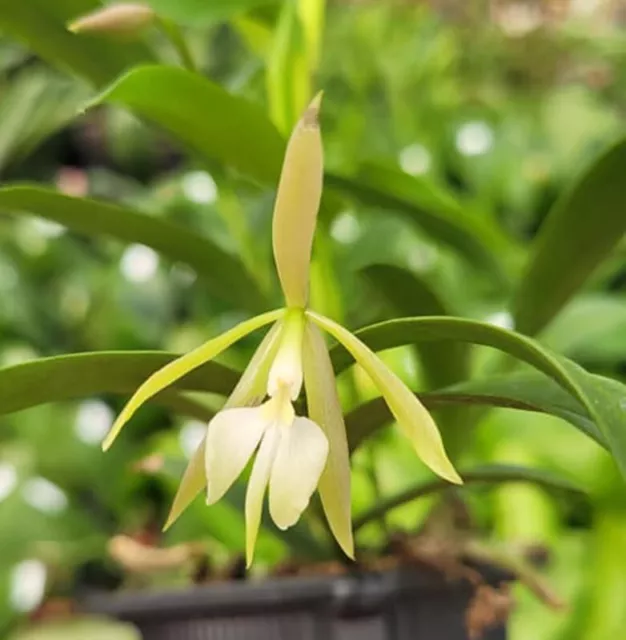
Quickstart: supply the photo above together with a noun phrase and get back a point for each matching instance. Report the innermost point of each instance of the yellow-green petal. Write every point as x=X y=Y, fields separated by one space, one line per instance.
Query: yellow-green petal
x=297 y=204
x=324 y=408
x=178 y=368
x=232 y=437
x=298 y=464
x=414 y=420
x=250 y=390
x=252 y=386
x=257 y=484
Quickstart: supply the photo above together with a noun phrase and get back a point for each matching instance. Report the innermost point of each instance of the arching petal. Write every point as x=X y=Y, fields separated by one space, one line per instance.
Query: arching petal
x=249 y=391
x=300 y=460
x=232 y=438
x=181 y=366
x=252 y=386
x=414 y=420
x=256 y=488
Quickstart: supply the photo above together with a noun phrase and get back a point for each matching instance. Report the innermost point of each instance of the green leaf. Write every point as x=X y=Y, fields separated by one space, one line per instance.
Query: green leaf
x=435 y=213
x=603 y=317
x=410 y=295
x=604 y=400
x=288 y=73
x=312 y=17
x=223 y=274
x=35 y=104
x=204 y=117
x=489 y=474
x=580 y=231
x=526 y=391
x=88 y=374
x=202 y=12
x=41 y=25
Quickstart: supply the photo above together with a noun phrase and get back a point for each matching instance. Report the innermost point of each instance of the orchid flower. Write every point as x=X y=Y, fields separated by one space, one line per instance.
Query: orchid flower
x=294 y=454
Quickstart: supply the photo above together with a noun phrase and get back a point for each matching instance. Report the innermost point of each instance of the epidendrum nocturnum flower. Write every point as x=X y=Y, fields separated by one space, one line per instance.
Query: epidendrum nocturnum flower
x=294 y=454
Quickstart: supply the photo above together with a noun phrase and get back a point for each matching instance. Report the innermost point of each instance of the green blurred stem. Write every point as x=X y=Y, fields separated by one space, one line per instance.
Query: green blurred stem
x=174 y=34
x=380 y=515
x=488 y=474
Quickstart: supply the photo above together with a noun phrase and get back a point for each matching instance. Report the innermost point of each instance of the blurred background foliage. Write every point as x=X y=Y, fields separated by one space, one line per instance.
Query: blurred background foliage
x=495 y=107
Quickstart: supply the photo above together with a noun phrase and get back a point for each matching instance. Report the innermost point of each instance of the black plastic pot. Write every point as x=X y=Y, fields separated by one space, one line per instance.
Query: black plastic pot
x=399 y=605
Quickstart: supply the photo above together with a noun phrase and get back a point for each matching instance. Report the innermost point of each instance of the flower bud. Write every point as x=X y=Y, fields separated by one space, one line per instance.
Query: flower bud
x=125 y=18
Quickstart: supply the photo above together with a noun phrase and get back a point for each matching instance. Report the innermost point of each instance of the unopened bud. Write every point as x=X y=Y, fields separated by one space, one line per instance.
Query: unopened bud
x=124 y=19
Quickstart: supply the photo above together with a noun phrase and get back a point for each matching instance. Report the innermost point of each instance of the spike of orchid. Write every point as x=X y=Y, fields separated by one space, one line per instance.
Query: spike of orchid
x=294 y=454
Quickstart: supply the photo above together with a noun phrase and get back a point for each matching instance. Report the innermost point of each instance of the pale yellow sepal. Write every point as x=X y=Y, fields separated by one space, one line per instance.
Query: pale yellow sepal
x=257 y=484
x=249 y=391
x=297 y=204
x=324 y=408
x=414 y=420
x=178 y=368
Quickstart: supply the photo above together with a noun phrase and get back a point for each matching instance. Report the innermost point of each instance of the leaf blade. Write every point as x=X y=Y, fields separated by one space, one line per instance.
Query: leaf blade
x=526 y=391
x=581 y=229
x=68 y=377
x=205 y=117
x=414 y=420
x=604 y=400
x=411 y=296
x=42 y=26
x=488 y=474
x=224 y=275
x=200 y=12
x=437 y=215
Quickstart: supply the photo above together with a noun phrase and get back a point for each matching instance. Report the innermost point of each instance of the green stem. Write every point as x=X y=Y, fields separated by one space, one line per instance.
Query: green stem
x=175 y=36
x=381 y=514
x=488 y=474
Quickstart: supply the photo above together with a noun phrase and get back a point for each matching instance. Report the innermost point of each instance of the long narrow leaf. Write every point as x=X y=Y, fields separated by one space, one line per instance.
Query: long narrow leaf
x=223 y=274
x=579 y=233
x=527 y=391
x=203 y=12
x=41 y=24
x=87 y=374
x=603 y=399
x=409 y=295
x=492 y=474
x=204 y=117
x=437 y=215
